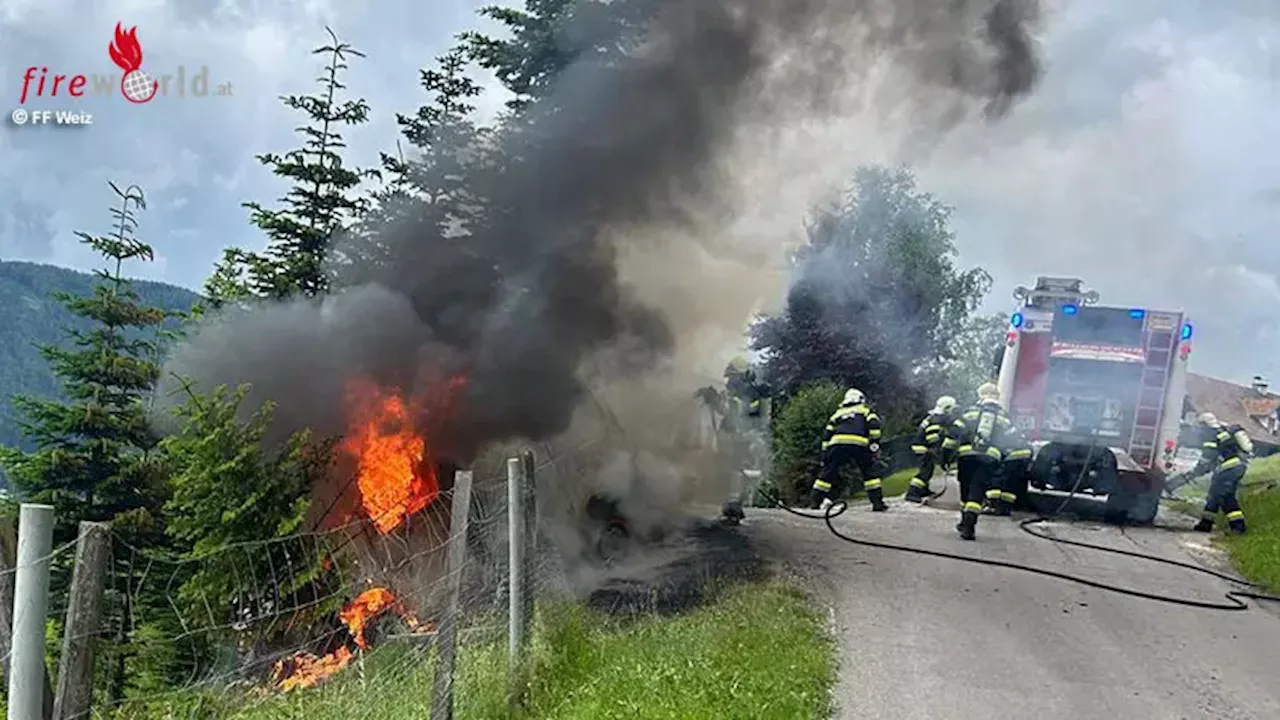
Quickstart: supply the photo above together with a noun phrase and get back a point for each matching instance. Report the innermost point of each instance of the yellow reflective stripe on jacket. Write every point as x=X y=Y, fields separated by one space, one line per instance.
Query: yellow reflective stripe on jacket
x=993 y=452
x=1019 y=454
x=1008 y=497
x=993 y=494
x=1230 y=463
x=919 y=482
x=840 y=439
x=919 y=449
x=948 y=444
x=845 y=412
x=1210 y=445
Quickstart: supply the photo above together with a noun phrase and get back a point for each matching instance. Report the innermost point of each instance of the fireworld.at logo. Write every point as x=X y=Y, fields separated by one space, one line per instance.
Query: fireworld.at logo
x=135 y=84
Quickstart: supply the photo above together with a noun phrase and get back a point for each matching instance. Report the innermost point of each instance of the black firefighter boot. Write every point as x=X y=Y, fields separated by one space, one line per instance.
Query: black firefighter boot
x=732 y=513
x=876 y=496
x=817 y=499
x=968 y=523
x=914 y=493
x=1205 y=525
x=1004 y=506
x=1236 y=524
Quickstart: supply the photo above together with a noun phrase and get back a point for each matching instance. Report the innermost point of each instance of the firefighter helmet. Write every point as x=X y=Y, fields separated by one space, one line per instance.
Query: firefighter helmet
x=988 y=391
x=1208 y=418
x=853 y=396
x=946 y=403
x=737 y=366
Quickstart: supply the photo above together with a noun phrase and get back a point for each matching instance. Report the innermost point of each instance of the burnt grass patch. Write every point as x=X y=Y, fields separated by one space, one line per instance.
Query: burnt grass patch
x=706 y=557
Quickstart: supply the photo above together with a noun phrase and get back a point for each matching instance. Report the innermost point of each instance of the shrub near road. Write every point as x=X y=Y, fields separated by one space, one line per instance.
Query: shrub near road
x=1257 y=553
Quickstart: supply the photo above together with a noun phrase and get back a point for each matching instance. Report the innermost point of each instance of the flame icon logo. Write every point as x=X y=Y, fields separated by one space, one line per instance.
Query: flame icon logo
x=137 y=86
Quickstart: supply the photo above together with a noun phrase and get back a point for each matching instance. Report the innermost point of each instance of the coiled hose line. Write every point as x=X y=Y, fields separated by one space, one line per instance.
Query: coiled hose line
x=1235 y=598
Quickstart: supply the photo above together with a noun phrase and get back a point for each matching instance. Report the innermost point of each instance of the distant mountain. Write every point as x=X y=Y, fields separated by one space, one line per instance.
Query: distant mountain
x=30 y=316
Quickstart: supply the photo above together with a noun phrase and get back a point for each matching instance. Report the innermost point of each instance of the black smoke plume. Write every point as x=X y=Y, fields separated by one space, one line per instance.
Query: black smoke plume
x=627 y=139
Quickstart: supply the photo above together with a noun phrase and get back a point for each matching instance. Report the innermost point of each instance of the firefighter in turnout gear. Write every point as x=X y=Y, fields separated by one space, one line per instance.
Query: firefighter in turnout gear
x=927 y=446
x=1003 y=492
x=852 y=435
x=1225 y=452
x=979 y=437
x=743 y=437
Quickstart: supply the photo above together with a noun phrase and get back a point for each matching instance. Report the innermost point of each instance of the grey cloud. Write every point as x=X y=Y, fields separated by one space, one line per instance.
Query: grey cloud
x=1143 y=164
x=1139 y=167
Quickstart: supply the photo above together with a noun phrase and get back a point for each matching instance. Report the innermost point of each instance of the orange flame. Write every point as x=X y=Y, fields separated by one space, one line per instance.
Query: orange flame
x=395 y=474
x=368 y=605
x=304 y=670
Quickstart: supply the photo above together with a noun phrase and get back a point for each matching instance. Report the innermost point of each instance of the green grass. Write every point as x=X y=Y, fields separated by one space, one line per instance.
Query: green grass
x=897 y=483
x=759 y=651
x=1257 y=553
x=756 y=651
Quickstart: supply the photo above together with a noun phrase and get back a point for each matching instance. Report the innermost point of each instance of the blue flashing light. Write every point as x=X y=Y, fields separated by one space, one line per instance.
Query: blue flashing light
x=1016 y=320
x=1186 y=331
x=1137 y=314
x=1070 y=309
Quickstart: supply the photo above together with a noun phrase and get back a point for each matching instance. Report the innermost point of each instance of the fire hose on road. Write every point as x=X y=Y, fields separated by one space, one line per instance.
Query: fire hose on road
x=1235 y=598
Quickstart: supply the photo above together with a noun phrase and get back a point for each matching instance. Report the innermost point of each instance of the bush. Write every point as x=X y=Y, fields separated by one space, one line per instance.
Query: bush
x=797 y=438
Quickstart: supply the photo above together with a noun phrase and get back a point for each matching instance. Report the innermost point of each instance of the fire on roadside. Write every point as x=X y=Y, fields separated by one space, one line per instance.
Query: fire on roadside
x=388 y=440
x=396 y=471
x=304 y=670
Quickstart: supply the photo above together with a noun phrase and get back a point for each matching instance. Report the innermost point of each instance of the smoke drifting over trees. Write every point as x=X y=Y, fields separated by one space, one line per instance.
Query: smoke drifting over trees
x=627 y=136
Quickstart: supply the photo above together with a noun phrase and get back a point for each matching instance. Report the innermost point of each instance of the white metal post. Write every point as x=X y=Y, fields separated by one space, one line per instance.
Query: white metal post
x=30 y=612
x=515 y=561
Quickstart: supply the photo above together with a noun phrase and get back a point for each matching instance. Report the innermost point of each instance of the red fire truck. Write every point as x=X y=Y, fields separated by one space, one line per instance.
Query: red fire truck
x=1098 y=391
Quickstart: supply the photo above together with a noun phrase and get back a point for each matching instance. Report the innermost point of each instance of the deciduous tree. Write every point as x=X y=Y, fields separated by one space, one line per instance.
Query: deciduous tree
x=877 y=300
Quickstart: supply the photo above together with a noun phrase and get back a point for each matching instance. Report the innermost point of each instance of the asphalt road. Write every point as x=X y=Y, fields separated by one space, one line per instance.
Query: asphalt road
x=923 y=637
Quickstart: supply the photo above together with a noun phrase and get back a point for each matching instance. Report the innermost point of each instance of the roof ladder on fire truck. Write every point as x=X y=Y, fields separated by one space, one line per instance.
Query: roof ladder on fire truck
x=1146 y=419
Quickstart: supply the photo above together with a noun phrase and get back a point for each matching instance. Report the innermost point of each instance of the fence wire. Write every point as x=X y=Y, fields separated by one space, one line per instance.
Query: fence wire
x=344 y=619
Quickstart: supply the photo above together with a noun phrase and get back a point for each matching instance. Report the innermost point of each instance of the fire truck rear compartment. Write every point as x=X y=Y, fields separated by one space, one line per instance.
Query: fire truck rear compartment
x=1094 y=478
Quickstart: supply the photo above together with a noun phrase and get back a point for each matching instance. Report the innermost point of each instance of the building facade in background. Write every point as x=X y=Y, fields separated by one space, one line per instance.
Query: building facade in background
x=1253 y=407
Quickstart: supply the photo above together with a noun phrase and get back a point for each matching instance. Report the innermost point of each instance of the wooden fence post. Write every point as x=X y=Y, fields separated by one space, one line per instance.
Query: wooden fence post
x=84 y=617
x=447 y=638
x=8 y=553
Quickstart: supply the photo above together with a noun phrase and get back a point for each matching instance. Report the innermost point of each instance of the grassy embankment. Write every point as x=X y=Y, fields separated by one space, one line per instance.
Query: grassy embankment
x=1257 y=553
x=755 y=651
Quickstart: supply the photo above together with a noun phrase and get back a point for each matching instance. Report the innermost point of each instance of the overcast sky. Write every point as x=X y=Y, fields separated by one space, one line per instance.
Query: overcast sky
x=1145 y=163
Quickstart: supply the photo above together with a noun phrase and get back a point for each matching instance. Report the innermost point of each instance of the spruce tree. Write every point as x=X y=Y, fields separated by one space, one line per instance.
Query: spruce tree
x=431 y=192
x=320 y=202
x=93 y=456
x=230 y=489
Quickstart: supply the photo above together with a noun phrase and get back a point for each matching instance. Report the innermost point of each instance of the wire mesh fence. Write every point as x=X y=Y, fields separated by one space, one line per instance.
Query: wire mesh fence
x=426 y=617
x=235 y=631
